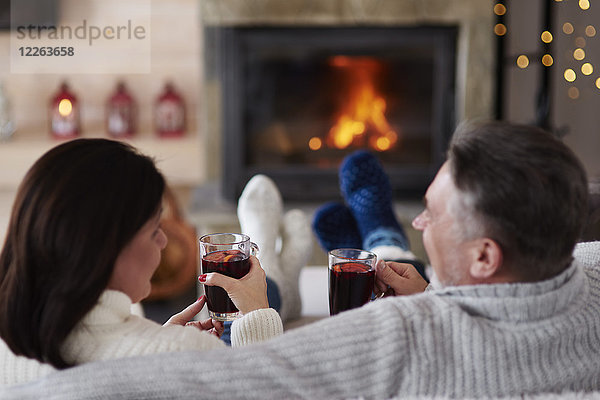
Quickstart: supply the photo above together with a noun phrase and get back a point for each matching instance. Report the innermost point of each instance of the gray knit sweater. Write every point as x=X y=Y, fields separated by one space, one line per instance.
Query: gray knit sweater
x=469 y=341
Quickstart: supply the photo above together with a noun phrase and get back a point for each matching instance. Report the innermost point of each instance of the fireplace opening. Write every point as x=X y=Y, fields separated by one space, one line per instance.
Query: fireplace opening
x=297 y=100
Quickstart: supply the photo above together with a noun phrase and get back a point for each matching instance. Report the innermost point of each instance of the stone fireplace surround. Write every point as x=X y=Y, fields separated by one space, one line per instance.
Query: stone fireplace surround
x=475 y=46
x=474 y=80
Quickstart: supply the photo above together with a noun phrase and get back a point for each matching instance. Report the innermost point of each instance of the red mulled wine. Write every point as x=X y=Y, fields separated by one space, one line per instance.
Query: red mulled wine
x=350 y=286
x=231 y=263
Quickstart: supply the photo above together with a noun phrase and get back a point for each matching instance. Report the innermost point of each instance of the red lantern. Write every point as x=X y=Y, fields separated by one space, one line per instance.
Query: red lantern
x=169 y=113
x=64 y=114
x=121 y=113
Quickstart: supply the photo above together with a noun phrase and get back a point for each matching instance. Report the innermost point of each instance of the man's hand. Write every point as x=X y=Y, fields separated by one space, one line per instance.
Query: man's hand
x=394 y=279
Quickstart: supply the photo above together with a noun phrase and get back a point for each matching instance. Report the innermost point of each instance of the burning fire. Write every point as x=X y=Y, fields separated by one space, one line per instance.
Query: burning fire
x=361 y=120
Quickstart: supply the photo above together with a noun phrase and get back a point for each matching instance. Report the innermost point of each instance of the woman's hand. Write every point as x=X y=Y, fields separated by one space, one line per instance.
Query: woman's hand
x=392 y=279
x=248 y=293
x=184 y=318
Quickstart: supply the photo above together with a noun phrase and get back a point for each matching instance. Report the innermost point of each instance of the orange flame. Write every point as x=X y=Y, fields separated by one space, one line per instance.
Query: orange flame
x=362 y=117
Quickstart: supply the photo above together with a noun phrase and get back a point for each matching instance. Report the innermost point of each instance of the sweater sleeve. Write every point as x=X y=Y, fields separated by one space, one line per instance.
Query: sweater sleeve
x=588 y=254
x=256 y=326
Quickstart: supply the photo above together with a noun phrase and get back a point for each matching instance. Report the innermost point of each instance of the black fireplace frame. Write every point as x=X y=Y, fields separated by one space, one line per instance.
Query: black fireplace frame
x=225 y=45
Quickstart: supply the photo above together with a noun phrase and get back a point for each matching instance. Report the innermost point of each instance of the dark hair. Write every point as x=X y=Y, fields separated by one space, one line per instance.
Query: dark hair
x=528 y=191
x=75 y=210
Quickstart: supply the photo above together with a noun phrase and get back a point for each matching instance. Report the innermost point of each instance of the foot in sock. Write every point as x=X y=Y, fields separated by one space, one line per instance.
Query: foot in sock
x=296 y=249
x=335 y=227
x=368 y=193
x=260 y=210
x=260 y=213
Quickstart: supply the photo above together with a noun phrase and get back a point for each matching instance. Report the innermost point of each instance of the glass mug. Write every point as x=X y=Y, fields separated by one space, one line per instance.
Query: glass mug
x=228 y=254
x=351 y=278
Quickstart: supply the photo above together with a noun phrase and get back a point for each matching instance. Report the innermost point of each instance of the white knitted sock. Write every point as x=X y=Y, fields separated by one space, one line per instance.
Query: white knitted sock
x=260 y=213
x=296 y=249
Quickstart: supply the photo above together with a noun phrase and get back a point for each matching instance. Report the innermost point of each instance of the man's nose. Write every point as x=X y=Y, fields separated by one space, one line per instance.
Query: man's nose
x=419 y=222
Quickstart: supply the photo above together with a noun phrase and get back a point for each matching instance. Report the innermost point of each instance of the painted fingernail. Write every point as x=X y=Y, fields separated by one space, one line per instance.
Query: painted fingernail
x=202 y=278
x=200 y=298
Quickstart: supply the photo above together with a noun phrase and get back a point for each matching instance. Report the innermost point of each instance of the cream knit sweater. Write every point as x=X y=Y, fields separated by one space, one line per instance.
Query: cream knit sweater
x=110 y=331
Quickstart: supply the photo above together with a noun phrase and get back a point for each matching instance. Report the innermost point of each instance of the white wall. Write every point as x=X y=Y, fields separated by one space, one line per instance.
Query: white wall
x=175 y=56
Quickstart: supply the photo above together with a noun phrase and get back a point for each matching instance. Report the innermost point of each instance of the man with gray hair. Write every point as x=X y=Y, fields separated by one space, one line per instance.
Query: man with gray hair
x=514 y=315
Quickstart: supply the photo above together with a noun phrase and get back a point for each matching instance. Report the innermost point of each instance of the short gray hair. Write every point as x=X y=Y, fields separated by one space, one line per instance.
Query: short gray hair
x=523 y=188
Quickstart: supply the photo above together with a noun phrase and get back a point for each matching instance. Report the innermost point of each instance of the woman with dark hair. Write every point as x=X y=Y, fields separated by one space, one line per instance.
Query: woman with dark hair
x=83 y=241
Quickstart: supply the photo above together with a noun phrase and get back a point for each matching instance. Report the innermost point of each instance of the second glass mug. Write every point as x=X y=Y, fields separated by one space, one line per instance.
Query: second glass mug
x=228 y=254
x=351 y=278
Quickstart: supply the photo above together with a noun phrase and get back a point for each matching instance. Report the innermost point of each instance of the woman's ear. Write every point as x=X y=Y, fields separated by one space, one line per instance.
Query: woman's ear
x=487 y=259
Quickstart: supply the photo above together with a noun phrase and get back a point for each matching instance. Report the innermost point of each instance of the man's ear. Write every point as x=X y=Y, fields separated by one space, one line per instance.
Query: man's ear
x=487 y=259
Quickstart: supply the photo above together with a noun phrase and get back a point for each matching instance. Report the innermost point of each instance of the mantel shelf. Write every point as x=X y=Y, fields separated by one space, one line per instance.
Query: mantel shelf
x=179 y=159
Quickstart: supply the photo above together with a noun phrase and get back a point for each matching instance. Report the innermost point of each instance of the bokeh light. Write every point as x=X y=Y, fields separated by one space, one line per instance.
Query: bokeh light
x=584 y=4
x=500 y=29
x=522 y=61
x=579 y=54
x=568 y=28
x=547 y=60
x=499 y=9
x=570 y=75
x=590 y=31
x=587 y=69
x=579 y=42
x=573 y=92
x=383 y=144
x=546 y=37
x=315 y=143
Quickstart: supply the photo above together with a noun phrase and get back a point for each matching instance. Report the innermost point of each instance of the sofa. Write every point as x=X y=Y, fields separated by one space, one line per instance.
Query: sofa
x=93 y=380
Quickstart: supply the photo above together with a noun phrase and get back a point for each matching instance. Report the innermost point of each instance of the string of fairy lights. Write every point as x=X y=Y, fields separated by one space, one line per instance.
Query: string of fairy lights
x=579 y=63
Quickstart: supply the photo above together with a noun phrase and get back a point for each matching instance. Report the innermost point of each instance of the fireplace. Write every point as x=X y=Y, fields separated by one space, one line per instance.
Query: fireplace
x=296 y=100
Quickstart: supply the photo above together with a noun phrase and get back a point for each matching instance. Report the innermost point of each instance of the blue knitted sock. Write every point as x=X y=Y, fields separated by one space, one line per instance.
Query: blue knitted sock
x=367 y=191
x=335 y=227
